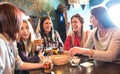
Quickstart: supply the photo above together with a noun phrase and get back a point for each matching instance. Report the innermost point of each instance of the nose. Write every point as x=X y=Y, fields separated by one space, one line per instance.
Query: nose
x=25 y=30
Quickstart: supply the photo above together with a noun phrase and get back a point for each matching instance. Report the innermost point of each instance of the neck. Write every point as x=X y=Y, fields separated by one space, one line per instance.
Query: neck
x=78 y=33
x=102 y=31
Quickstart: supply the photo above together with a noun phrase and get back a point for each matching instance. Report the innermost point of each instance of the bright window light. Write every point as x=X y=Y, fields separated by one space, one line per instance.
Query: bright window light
x=114 y=13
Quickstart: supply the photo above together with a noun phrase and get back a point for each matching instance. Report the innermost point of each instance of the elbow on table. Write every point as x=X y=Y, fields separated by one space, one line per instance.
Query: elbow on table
x=112 y=58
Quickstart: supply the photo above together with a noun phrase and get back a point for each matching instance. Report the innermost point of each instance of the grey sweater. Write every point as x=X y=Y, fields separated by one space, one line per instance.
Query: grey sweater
x=107 y=48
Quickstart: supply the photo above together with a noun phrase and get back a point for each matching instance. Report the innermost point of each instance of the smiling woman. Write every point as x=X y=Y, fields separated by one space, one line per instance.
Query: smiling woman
x=76 y=37
x=50 y=36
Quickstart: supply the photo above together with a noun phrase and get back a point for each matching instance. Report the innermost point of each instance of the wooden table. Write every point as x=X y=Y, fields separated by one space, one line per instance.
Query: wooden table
x=106 y=68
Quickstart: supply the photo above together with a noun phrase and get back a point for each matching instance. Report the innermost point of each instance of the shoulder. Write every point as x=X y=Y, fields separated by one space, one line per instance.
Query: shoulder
x=20 y=43
x=92 y=32
x=2 y=43
x=2 y=46
x=69 y=37
x=115 y=31
x=55 y=31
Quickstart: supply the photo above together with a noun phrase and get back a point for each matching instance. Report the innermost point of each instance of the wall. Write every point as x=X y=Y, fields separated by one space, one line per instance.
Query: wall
x=38 y=7
x=83 y=12
x=47 y=7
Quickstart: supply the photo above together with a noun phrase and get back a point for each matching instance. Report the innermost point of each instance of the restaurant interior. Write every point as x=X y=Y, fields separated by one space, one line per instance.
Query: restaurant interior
x=61 y=12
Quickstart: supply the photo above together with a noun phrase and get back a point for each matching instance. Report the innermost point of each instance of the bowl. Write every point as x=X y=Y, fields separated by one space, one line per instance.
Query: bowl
x=74 y=61
x=60 y=59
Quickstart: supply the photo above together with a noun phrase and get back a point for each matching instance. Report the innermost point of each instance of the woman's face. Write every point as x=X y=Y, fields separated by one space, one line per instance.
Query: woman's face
x=94 y=21
x=25 y=31
x=76 y=24
x=47 y=25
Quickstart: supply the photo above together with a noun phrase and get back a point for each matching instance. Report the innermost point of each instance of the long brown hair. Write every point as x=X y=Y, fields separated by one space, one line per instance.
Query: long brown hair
x=81 y=19
x=10 y=20
x=42 y=29
x=105 y=21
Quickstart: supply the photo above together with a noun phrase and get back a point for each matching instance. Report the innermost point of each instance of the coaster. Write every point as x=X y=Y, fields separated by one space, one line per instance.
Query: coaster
x=86 y=64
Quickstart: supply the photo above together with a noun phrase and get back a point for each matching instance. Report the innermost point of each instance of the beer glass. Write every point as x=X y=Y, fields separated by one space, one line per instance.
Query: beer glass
x=47 y=64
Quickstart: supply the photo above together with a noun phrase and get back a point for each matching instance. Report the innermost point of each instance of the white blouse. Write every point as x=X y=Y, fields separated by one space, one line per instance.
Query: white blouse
x=9 y=58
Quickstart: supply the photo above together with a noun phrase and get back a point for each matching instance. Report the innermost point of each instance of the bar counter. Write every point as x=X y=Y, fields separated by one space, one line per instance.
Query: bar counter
x=106 y=68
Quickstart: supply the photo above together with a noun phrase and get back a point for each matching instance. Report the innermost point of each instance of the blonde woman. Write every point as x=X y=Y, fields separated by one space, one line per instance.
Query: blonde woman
x=26 y=49
x=10 y=25
x=25 y=45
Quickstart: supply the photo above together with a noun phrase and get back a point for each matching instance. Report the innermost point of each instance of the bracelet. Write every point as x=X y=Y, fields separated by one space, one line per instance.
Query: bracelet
x=91 y=56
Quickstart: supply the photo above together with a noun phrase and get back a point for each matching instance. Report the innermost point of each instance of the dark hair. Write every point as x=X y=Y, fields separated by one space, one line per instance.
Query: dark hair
x=10 y=19
x=42 y=20
x=101 y=14
x=42 y=31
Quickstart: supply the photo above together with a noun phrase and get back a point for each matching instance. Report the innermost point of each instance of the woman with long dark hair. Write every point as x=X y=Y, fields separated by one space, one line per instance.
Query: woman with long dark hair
x=50 y=36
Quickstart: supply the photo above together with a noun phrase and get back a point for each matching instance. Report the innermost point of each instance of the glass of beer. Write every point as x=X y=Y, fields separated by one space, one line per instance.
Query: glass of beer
x=38 y=42
x=55 y=50
x=47 y=64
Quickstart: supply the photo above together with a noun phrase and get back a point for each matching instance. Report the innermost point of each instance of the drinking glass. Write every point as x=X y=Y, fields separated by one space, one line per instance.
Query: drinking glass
x=38 y=42
x=47 y=64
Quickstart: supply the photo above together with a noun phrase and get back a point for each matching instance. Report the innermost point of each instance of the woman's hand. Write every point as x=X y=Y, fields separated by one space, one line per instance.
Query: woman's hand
x=41 y=55
x=79 y=50
x=74 y=50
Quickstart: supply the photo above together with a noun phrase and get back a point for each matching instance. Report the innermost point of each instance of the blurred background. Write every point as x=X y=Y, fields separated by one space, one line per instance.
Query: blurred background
x=62 y=10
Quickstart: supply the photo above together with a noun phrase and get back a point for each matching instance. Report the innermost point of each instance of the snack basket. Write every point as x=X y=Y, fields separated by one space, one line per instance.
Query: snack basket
x=60 y=59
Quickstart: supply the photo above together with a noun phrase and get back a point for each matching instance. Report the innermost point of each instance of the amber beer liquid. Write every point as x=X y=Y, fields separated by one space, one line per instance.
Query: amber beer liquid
x=55 y=51
x=47 y=67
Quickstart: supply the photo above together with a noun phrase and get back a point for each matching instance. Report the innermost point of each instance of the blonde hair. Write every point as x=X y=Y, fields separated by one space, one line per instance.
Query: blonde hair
x=30 y=39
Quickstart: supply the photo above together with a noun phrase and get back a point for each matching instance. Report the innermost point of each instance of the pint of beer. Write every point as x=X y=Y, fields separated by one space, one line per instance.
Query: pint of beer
x=47 y=64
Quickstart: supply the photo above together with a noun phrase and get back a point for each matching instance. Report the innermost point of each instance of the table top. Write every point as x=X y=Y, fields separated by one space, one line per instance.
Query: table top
x=106 y=68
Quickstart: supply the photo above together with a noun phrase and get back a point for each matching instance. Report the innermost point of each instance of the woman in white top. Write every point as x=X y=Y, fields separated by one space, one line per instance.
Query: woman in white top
x=10 y=24
x=104 y=37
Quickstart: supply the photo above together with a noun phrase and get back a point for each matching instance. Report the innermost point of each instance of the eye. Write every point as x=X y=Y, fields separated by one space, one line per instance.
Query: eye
x=21 y=28
x=27 y=27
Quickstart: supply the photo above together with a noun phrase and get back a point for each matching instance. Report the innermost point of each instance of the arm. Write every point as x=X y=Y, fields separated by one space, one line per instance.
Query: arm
x=112 y=51
x=28 y=66
x=89 y=41
x=86 y=50
x=24 y=57
x=2 y=58
x=25 y=65
x=109 y=54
